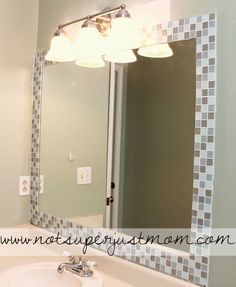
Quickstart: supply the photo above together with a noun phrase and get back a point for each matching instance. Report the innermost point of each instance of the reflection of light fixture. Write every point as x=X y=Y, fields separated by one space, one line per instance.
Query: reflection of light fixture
x=91 y=62
x=121 y=57
x=61 y=49
x=89 y=42
x=156 y=51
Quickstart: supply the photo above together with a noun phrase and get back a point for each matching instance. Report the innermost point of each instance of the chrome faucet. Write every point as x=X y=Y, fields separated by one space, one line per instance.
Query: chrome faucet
x=77 y=266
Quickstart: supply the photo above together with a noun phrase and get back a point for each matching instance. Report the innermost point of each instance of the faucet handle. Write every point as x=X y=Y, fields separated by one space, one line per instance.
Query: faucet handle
x=72 y=258
x=86 y=271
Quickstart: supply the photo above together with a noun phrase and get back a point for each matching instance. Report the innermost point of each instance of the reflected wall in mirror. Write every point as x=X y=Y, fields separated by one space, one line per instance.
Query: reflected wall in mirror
x=74 y=135
x=154 y=140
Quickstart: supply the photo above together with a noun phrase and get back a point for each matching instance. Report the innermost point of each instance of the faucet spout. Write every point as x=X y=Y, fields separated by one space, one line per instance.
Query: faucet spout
x=80 y=267
x=65 y=266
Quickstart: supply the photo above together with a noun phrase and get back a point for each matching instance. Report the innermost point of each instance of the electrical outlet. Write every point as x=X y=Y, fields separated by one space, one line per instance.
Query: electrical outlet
x=84 y=175
x=24 y=185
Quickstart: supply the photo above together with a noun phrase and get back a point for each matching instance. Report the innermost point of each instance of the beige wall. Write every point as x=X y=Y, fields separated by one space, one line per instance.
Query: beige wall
x=18 y=34
x=222 y=270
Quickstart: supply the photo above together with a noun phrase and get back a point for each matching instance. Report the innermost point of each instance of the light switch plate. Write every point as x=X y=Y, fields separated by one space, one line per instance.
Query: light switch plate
x=84 y=175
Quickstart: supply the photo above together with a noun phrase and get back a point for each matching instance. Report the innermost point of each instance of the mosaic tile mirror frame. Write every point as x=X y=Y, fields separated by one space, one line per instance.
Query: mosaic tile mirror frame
x=193 y=268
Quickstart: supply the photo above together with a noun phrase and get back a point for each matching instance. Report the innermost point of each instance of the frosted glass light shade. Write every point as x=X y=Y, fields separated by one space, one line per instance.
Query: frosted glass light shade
x=124 y=35
x=89 y=43
x=61 y=50
x=121 y=57
x=156 y=51
x=92 y=62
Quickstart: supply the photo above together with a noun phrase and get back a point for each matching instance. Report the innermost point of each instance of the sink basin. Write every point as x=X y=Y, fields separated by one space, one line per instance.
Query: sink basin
x=45 y=274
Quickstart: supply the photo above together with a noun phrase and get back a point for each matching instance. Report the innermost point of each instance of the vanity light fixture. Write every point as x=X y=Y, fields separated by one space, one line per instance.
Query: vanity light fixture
x=162 y=50
x=124 y=34
x=101 y=34
x=61 y=49
x=89 y=42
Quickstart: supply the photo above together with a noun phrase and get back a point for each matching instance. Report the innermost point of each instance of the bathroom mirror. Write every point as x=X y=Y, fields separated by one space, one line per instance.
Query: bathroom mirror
x=202 y=30
x=156 y=110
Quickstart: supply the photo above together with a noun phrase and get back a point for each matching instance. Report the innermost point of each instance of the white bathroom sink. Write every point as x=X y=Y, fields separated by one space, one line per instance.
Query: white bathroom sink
x=45 y=275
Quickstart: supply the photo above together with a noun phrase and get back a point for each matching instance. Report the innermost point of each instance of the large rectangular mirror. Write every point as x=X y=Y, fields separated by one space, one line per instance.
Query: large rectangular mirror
x=153 y=141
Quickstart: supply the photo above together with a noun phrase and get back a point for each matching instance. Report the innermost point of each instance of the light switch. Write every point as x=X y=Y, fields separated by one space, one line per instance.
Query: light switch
x=84 y=175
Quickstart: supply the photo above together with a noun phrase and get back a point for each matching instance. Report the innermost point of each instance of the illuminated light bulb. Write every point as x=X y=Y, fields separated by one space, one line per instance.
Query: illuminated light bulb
x=61 y=49
x=156 y=51
x=91 y=62
x=124 y=33
x=121 y=57
x=89 y=42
